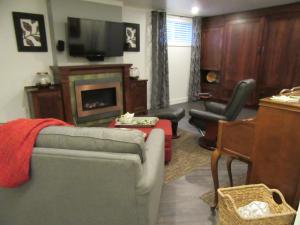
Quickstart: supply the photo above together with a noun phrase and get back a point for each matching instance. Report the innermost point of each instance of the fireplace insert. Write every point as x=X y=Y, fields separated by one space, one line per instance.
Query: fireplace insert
x=99 y=98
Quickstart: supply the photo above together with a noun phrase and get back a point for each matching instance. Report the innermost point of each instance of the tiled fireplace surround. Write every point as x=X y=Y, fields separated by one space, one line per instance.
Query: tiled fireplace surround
x=110 y=81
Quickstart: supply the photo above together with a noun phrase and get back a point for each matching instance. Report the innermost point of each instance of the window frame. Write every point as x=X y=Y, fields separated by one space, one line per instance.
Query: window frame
x=180 y=20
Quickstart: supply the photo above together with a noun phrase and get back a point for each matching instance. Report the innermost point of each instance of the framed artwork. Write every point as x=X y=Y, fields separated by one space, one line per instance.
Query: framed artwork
x=131 y=37
x=30 y=32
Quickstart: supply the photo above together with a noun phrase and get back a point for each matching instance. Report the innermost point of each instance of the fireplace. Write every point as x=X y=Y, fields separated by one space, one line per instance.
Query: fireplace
x=74 y=79
x=98 y=98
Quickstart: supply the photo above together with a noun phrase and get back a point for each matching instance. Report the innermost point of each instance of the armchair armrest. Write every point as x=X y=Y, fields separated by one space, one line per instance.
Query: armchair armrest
x=215 y=107
x=205 y=115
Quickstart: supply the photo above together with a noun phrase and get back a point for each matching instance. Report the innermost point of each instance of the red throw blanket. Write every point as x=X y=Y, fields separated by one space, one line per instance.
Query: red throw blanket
x=17 y=139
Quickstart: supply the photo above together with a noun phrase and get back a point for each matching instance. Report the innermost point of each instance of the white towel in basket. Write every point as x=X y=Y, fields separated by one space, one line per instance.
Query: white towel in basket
x=255 y=209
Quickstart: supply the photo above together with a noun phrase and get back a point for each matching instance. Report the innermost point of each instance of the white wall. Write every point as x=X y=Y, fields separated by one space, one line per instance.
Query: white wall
x=18 y=68
x=60 y=10
x=141 y=59
x=179 y=57
x=179 y=70
x=179 y=73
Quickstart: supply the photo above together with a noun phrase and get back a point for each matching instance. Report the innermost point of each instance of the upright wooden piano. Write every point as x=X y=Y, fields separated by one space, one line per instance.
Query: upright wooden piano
x=274 y=158
x=276 y=152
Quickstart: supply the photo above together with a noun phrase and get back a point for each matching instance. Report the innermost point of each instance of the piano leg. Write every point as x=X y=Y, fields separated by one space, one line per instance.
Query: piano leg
x=214 y=170
x=228 y=163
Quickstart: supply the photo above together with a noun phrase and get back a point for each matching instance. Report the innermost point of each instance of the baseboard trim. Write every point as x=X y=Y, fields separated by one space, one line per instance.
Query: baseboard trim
x=178 y=100
x=173 y=101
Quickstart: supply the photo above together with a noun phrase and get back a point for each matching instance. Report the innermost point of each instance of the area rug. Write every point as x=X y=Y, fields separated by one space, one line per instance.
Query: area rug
x=187 y=156
x=209 y=197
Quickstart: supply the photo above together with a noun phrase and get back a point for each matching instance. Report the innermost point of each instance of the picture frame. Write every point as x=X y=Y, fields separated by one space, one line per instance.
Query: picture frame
x=131 y=37
x=30 y=32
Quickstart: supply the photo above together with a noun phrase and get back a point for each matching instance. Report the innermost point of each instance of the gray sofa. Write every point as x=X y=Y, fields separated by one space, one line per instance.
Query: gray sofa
x=89 y=176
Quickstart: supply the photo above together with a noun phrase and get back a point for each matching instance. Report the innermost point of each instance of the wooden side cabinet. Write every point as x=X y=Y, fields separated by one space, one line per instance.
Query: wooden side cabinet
x=139 y=96
x=45 y=102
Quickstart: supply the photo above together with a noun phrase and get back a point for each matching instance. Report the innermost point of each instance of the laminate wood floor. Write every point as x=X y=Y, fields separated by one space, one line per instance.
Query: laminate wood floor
x=180 y=202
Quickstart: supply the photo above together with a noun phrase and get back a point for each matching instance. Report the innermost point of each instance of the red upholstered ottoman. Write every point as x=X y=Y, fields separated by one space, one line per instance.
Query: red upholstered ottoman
x=167 y=127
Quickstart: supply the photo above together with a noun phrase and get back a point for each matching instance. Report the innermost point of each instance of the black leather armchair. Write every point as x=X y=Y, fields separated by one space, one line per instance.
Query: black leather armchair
x=208 y=119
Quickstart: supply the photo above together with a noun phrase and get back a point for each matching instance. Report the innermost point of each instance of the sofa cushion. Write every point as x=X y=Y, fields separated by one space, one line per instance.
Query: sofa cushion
x=93 y=139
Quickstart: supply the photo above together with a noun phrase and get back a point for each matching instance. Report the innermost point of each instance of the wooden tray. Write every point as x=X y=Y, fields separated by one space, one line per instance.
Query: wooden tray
x=138 y=122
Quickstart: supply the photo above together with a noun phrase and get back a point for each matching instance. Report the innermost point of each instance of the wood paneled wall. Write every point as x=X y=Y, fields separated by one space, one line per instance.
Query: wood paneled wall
x=262 y=44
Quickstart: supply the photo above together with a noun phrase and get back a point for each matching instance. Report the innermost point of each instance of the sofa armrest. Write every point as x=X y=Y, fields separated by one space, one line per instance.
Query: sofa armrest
x=149 y=187
x=153 y=168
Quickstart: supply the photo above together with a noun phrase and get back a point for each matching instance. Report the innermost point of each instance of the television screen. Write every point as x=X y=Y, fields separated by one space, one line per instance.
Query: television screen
x=88 y=37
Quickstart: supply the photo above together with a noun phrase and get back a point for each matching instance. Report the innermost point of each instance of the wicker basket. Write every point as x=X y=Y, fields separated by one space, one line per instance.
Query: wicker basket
x=230 y=199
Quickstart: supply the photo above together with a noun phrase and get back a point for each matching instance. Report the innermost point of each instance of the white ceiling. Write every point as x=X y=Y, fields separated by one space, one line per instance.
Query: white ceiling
x=207 y=7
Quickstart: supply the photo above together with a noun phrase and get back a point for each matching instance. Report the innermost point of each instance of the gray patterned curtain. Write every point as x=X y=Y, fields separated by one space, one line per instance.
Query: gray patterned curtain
x=160 y=70
x=195 y=78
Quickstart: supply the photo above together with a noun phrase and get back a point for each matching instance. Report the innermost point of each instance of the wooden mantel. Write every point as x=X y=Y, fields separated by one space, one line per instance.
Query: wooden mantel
x=62 y=74
x=95 y=68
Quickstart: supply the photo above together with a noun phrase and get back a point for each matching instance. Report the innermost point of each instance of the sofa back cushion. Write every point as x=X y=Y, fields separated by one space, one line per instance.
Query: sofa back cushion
x=93 y=139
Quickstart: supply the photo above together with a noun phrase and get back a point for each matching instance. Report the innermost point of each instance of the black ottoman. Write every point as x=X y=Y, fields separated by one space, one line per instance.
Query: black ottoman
x=174 y=115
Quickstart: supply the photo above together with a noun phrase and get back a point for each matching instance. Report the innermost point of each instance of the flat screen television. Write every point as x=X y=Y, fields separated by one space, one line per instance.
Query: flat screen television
x=95 y=39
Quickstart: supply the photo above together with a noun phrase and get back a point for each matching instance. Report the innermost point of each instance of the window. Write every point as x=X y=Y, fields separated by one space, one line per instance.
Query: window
x=179 y=31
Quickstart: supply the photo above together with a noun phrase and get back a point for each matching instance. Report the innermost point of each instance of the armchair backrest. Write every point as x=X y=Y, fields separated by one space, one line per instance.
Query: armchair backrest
x=238 y=98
